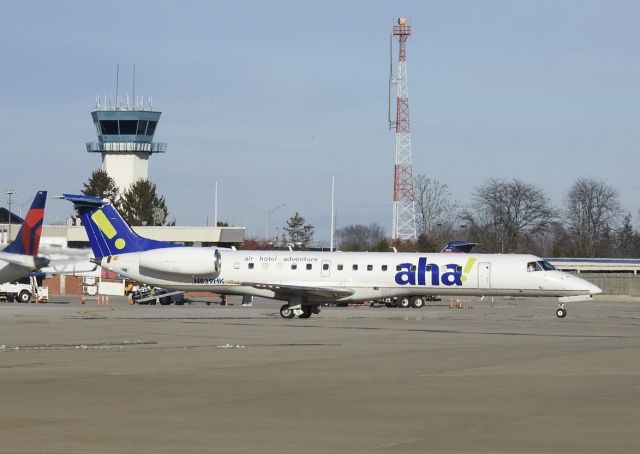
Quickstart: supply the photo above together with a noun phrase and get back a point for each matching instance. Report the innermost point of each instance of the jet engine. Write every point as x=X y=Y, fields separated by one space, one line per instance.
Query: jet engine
x=183 y=260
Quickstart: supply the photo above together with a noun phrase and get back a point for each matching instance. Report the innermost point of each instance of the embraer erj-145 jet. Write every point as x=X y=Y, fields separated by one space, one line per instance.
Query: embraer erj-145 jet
x=20 y=257
x=305 y=280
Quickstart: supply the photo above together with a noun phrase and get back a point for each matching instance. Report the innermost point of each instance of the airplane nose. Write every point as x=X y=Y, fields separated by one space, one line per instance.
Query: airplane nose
x=594 y=289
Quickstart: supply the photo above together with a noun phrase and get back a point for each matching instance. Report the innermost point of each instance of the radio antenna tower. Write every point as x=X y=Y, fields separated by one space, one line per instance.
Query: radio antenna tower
x=404 y=212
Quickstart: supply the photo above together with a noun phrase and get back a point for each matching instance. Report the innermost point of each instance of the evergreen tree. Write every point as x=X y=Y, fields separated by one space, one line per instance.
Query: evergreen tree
x=101 y=185
x=299 y=233
x=625 y=238
x=140 y=205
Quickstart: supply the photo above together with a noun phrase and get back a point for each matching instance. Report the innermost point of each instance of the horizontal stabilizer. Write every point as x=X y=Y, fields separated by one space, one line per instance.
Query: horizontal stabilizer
x=84 y=200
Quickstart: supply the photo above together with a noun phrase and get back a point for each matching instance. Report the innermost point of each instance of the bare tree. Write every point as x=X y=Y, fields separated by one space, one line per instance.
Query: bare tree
x=362 y=238
x=504 y=213
x=436 y=212
x=593 y=209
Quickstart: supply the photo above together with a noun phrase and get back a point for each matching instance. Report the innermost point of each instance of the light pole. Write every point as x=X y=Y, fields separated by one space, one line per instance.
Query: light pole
x=10 y=192
x=267 y=217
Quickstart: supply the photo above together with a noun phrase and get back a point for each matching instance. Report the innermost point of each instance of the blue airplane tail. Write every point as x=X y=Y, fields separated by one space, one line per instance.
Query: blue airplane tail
x=109 y=234
x=27 y=242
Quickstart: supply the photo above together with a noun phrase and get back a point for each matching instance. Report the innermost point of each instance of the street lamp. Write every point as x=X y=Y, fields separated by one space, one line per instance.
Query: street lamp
x=267 y=217
x=9 y=193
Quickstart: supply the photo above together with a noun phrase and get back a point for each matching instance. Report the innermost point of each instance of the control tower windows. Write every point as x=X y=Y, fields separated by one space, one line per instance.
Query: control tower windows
x=151 y=129
x=109 y=127
x=142 y=128
x=128 y=127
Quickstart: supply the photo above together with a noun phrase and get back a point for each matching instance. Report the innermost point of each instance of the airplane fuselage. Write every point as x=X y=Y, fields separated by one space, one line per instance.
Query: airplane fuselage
x=354 y=276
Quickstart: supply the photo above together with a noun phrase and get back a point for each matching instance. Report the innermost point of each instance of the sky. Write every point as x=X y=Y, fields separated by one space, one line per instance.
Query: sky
x=273 y=99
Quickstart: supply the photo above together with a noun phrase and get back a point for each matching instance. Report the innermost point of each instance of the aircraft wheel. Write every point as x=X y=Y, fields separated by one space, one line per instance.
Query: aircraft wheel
x=404 y=302
x=306 y=312
x=315 y=309
x=417 y=302
x=286 y=311
x=24 y=297
x=561 y=312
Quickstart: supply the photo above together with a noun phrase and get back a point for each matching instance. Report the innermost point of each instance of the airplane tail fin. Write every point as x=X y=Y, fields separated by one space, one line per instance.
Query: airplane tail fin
x=109 y=234
x=28 y=240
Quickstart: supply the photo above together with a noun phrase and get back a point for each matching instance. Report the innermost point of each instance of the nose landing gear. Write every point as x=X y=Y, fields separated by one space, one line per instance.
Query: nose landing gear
x=561 y=312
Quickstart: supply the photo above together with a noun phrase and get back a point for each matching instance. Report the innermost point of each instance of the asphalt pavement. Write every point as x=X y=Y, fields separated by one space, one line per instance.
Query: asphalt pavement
x=122 y=378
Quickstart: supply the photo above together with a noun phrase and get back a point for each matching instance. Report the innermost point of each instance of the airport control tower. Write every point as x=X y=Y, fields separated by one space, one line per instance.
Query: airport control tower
x=125 y=140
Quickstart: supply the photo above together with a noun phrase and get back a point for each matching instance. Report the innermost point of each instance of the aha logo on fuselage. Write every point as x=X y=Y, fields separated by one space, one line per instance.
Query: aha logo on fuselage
x=451 y=274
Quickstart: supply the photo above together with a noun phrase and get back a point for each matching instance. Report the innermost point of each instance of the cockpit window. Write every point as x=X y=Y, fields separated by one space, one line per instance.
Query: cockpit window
x=533 y=266
x=546 y=265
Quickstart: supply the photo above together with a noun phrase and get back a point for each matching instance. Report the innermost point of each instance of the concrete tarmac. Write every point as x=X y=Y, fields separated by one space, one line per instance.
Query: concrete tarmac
x=197 y=379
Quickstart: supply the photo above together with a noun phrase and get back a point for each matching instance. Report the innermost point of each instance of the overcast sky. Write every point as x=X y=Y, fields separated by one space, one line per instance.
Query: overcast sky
x=272 y=99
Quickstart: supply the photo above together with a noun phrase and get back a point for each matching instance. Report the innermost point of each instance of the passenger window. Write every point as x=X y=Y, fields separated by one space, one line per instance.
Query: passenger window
x=427 y=268
x=309 y=266
x=294 y=266
x=383 y=267
x=250 y=266
x=355 y=267
x=459 y=269
x=413 y=267
x=340 y=267
x=325 y=266
x=398 y=268
x=369 y=267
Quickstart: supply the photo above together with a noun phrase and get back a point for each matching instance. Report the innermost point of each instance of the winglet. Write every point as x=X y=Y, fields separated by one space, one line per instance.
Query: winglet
x=27 y=242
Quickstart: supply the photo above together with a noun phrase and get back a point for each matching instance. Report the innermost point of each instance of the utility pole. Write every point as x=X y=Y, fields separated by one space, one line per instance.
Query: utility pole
x=10 y=192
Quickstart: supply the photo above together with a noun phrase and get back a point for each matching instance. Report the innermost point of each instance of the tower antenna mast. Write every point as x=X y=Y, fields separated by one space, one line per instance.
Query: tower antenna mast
x=404 y=213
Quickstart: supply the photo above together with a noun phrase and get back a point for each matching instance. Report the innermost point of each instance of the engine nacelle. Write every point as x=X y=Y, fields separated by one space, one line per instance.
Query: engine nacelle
x=183 y=260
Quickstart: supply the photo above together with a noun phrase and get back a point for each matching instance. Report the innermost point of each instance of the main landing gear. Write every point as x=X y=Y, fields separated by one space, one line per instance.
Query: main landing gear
x=302 y=311
x=561 y=312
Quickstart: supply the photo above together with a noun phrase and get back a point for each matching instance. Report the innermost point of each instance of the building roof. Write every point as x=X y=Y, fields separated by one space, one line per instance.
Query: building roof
x=4 y=217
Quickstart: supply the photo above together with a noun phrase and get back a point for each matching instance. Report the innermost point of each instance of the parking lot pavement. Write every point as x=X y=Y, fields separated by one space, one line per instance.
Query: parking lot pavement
x=116 y=377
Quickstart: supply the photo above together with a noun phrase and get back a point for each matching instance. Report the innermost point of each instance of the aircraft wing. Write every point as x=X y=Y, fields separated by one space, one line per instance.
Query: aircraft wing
x=26 y=261
x=330 y=293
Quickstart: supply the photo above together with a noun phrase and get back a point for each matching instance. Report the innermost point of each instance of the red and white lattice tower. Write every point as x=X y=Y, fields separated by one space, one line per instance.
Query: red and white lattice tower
x=404 y=213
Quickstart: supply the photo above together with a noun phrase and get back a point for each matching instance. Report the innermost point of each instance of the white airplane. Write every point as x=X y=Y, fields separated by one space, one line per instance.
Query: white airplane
x=305 y=280
x=20 y=257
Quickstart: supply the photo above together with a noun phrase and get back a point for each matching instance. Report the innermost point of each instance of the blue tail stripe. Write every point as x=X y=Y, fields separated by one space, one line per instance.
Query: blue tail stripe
x=117 y=237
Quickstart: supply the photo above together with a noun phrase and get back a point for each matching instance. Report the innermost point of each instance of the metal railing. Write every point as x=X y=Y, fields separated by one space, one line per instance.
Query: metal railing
x=126 y=147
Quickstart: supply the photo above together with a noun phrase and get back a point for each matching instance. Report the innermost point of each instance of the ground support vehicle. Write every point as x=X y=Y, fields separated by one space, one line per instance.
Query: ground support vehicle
x=23 y=293
x=151 y=295
x=415 y=301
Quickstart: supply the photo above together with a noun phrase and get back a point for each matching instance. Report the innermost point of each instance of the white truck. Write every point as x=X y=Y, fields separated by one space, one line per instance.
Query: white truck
x=22 y=293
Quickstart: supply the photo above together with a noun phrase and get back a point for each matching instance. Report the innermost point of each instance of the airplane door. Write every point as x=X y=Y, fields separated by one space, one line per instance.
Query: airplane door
x=484 y=275
x=326 y=268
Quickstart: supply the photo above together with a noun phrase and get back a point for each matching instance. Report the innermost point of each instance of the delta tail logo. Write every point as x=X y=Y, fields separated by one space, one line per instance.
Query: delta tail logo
x=425 y=273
